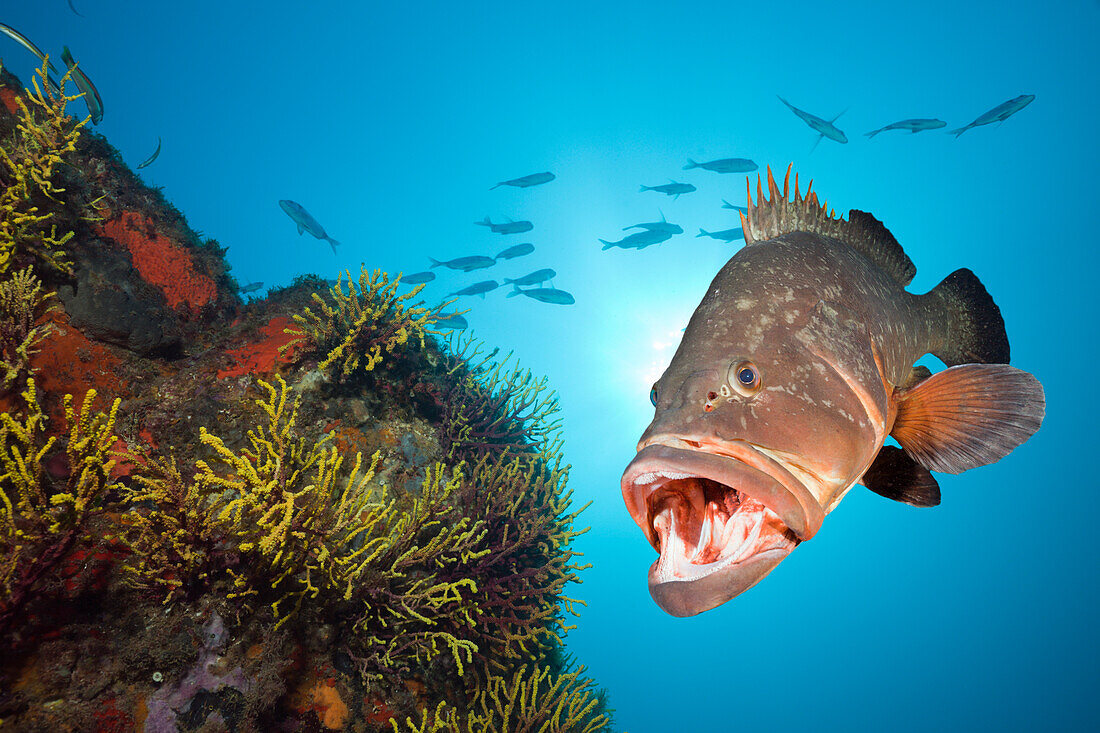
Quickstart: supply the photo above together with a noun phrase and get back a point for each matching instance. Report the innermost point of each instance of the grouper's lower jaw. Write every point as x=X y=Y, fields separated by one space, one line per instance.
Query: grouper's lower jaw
x=690 y=597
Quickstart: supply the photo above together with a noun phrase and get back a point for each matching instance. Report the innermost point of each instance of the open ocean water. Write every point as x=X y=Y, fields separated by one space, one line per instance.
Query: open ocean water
x=390 y=122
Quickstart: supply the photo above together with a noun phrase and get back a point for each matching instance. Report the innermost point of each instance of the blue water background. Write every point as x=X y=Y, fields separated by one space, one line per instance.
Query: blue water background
x=389 y=122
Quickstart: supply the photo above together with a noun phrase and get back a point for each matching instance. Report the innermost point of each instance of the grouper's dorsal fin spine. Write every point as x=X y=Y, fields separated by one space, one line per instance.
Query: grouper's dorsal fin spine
x=783 y=214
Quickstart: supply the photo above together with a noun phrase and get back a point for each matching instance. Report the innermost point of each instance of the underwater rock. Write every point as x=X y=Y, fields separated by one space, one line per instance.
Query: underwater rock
x=258 y=516
x=107 y=303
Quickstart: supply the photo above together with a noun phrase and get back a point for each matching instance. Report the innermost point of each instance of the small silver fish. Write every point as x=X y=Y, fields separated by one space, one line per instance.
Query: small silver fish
x=250 y=288
x=516 y=250
x=478 y=288
x=726 y=235
x=418 y=278
x=999 y=113
x=914 y=125
x=548 y=295
x=85 y=85
x=151 y=158
x=639 y=240
x=824 y=128
x=724 y=165
x=466 y=264
x=306 y=222
x=532 y=278
x=657 y=226
x=534 y=179
x=728 y=205
x=26 y=43
x=672 y=189
x=508 y=227
x=453 y=321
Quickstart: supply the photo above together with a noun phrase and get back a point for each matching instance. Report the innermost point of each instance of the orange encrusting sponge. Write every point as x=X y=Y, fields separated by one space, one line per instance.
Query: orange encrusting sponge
x=161 y=262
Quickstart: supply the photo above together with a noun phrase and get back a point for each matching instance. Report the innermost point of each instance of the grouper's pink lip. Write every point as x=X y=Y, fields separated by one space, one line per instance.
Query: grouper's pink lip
x=774 y=486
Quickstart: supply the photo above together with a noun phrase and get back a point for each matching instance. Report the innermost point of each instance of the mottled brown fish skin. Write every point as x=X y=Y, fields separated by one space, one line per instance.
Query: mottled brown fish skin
x=792 y=372
x=808 y=311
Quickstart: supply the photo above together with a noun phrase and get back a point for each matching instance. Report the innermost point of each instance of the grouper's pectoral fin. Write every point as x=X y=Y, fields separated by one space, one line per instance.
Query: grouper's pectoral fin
x=897 y=476
x=968 y=416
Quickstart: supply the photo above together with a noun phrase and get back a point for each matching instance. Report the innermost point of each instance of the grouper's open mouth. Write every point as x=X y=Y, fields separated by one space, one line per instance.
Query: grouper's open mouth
x=721 y=521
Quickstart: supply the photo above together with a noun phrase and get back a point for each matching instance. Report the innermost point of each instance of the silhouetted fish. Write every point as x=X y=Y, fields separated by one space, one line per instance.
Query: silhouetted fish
x=914 y=125
x=639 y=240
x=999 y=113
x=724 y=165
x=418 y=278
x=151 y=158
x=26 y=43
x=466 y=264
x=794 y=369
x=547 y=295
x=306 y=222
x=478 y=288
x=250 y=288
x=824 y=128
x=726 y=235
x=657 y=226
x=85 y=85
x=516 y=250
x=454 y=322
x=524 y=181
x=673 y=189
x=532 y=278
x=508 y=227
x=728 y=205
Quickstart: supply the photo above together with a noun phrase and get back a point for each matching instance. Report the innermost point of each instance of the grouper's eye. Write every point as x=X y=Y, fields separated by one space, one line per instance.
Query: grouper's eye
x=744 y=377
x=653 y=395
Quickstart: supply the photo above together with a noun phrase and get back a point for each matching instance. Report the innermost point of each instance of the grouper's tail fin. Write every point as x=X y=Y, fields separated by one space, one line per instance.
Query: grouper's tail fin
x=975 y=329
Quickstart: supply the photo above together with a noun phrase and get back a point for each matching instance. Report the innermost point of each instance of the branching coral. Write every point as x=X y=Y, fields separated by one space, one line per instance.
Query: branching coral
x=174 y=546
x=495 y=407
x=354 y=327
x=522 y=581
x=531 y=699
x=295 y=524
x=491 y=552
x=277 y=506
x=29 y=163
x=42 y=519
x=475 y=562
x=21 y=304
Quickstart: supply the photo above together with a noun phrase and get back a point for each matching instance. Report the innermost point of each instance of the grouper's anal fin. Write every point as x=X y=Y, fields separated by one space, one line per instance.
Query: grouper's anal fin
x=785 y=213
x=897 y=476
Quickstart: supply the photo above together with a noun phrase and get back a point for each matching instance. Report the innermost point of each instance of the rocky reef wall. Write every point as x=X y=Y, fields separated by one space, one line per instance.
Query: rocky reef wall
x=315 y=511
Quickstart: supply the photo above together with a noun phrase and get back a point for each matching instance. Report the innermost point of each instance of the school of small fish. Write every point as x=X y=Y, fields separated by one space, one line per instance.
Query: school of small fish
x=531 y=285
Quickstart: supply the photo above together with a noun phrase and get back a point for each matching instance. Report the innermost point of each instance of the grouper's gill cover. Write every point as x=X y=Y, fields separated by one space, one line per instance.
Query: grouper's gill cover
x=793 y=370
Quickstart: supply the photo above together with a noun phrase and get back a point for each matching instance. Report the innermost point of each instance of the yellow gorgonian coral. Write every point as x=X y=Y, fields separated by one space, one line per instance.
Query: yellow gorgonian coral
x=21 y=305
x=355 y=325
x=42 y=518
x=29 y=162
x=531 y=699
